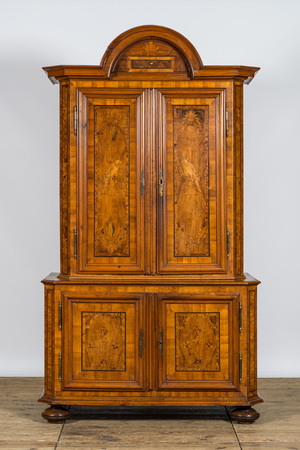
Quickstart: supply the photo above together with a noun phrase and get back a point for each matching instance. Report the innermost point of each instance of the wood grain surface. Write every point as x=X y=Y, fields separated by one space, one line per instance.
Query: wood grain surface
x=103 y=341
x=197 y=334
x=112 y=180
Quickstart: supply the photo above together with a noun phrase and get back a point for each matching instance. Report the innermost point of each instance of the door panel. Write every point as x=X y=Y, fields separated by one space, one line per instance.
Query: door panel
x=111 y=207
x=198 y=341
x=101 y=338
x=192 y=229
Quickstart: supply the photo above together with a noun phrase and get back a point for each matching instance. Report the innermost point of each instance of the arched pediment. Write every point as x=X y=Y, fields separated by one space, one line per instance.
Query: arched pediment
x=151 y=49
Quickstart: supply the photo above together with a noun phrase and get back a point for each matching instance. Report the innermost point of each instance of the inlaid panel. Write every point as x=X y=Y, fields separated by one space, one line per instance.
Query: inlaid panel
x=150 y=55
x=100 y=337
x=191 y=218
x=112 y=180
x=110 y=161
x=199 y=340
x=103 y=341
x=191 y=181
x=197 y=344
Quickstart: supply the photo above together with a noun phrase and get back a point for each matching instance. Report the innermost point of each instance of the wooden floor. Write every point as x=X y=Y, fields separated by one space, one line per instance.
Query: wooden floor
x=21 y=424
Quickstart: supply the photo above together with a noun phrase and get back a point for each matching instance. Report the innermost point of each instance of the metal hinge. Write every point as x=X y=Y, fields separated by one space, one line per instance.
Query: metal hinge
x=60 y=315
x=161 y=183
x=141 y=342
x=75 y=243
x=75 y=120
x=240 y=316
x=240 y=367
x=142 y=183
x=60 y=366
x=227 y=121
x=160 y=342
x=228 y=243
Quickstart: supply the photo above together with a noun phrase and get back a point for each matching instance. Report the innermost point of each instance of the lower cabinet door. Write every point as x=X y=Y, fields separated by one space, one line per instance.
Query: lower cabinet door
x=103 y=341
x=198 y=342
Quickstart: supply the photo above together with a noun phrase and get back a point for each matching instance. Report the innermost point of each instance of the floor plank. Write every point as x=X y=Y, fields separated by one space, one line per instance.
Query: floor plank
x=280 y=416
x=147 y=433
x=21 y=424
x=22 y=427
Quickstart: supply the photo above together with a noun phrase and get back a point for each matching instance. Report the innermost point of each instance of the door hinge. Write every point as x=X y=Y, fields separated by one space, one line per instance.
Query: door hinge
x=60 y=315
x=160 y=342
x=161 y=183
x=142 y=183
x=75 y=243
x=227 y=121
x=141 y=342
x=240 y=367
x=75 y=120
x=60 y=366
x=228 y=243
x=240 y=316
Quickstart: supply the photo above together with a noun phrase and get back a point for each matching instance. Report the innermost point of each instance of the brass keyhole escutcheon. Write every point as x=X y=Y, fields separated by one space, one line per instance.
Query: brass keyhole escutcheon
x=151 y=63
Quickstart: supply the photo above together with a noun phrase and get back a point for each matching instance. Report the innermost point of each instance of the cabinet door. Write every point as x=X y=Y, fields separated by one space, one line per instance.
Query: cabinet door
x=103 y=341
x=198 y=341
x=191 y=198
x=110 y=164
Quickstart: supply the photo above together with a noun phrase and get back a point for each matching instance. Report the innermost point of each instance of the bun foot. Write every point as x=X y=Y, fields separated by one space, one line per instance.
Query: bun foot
x=244 y=414
x=56 y=414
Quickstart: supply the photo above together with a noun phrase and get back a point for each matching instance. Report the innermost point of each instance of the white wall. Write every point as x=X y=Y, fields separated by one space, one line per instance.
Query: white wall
x=39 y=33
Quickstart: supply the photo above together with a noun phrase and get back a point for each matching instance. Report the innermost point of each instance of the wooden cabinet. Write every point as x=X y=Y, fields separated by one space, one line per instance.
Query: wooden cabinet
x=151 y=305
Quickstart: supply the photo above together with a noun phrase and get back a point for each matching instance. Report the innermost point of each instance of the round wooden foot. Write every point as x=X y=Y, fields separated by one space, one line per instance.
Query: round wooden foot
x=244 y=414
x=56 y=414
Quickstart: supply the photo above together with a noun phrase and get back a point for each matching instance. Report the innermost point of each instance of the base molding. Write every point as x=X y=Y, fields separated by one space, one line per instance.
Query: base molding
x=237 y=400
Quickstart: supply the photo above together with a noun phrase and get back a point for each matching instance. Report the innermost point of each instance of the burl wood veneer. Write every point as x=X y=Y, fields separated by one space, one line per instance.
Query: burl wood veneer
x=151 y=306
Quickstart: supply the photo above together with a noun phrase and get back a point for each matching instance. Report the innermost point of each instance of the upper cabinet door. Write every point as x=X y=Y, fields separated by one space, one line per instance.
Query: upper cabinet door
x=191 y=174
x=111 y=197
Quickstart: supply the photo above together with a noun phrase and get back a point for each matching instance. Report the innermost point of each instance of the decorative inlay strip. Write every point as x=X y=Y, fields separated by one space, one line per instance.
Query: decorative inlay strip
x=64 y=177
x=252 y=343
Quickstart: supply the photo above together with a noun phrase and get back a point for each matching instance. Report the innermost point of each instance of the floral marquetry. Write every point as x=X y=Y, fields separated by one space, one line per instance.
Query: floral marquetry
x=112 y=180
x=103 y=341
x=197 y=342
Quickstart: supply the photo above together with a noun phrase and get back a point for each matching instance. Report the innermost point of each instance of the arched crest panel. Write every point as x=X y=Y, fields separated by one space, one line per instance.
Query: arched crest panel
x=151 y=49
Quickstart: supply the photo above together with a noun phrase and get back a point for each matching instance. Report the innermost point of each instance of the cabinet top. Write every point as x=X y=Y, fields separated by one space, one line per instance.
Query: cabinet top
x=154 y=53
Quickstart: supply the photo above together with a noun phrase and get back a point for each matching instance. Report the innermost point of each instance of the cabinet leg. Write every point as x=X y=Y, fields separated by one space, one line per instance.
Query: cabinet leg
x=244 y=414
x=56 y=414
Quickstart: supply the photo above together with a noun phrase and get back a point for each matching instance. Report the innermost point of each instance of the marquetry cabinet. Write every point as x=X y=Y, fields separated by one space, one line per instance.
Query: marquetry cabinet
x=151 y=305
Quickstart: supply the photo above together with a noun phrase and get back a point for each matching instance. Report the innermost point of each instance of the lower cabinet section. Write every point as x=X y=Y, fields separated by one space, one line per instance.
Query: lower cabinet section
x=150 y=344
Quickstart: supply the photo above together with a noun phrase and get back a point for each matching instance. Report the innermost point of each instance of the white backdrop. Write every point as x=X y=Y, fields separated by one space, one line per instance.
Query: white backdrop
x=33 y=34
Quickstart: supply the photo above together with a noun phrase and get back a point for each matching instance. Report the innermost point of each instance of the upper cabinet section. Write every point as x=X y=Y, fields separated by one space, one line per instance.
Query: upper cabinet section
x=150 y=52
x=151 y=160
